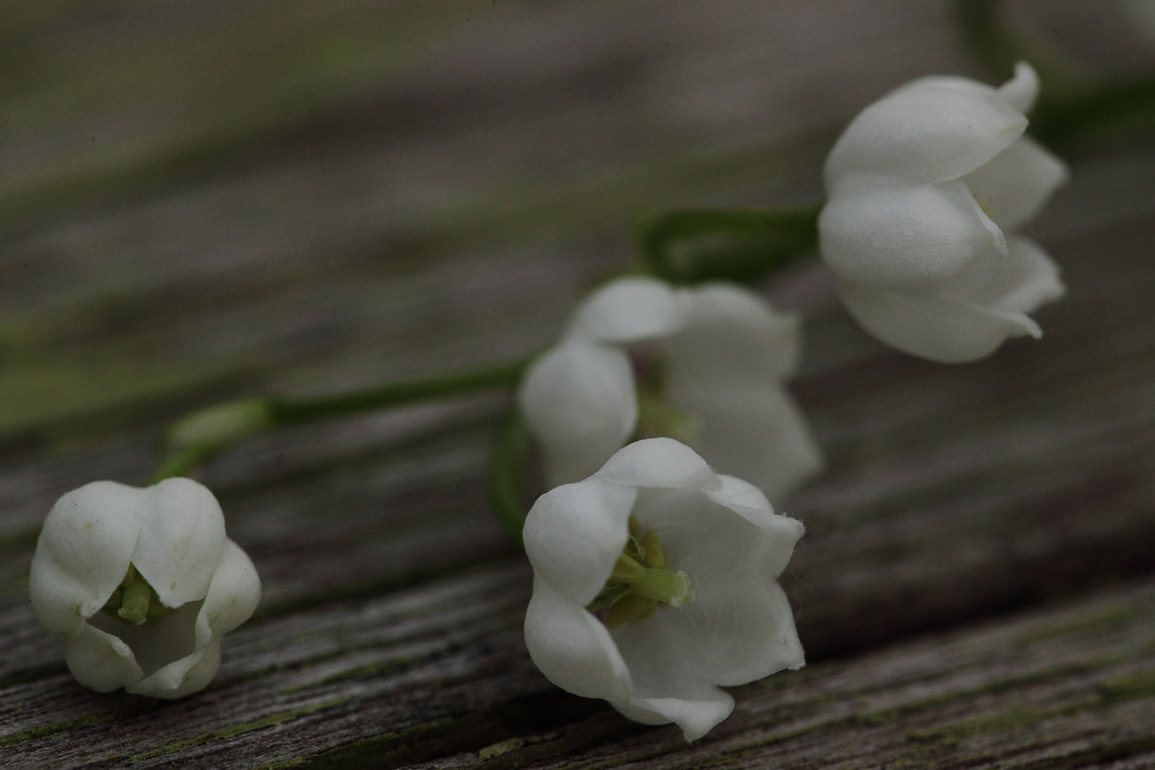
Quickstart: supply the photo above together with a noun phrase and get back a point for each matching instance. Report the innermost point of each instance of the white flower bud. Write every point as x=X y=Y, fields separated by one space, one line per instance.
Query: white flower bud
x=924 y=190
x=142 y=583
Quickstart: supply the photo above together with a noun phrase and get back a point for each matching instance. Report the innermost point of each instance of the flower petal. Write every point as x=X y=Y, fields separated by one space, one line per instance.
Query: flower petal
x=909 y=239
x=626 y=310
x=930 y=131
x=756 y=433
x=574 y=533
x=572 y=647
x=669 y=683
x=696 y=717
x=725 y=334
x=579 y=403
x=779 y=534
x=182 y=677
x=83 y=553
x=1026 y=279
x=1021 y=90
x=1015 y=185
x=182 y=533
x=659 y=462
x=748 y=501
x=158 y=642
x=718 y=543
x=940 y=329
x=233 y=595
x=733 y=547
x=99 y=660
x=745 y=633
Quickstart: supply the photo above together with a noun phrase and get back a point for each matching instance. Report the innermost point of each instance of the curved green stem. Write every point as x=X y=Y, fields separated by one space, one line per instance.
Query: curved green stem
x=693 y=246
x=194 y=439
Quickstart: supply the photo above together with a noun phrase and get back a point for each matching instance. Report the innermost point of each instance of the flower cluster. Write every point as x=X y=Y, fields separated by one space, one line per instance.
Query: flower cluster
x=655 y=577
x=664 y=426
x=142 y=583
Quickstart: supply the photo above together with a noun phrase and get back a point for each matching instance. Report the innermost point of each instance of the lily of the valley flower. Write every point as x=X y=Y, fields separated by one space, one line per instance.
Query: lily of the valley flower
x=703 y=365
x=142 y=583
x=655 y=582
x=925 y=188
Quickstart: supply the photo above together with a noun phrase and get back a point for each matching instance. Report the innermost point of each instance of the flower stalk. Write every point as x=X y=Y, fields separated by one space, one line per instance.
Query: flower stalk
x=197 y=437
x=693 y=246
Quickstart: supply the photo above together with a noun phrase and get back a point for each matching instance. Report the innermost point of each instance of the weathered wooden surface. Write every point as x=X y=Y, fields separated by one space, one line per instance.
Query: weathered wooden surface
x=203 y=200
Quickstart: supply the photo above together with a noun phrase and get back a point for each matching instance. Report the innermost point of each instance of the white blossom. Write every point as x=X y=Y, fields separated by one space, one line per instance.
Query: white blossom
x=142 y=583
x=925 y=190
x=655 y=583
x=703 y=365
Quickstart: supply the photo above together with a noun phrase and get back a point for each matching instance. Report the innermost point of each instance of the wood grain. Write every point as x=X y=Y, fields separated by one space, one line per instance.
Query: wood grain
x=203 y=200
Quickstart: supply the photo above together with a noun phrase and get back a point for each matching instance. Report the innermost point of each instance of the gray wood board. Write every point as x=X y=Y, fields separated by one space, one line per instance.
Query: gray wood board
x=207 y=200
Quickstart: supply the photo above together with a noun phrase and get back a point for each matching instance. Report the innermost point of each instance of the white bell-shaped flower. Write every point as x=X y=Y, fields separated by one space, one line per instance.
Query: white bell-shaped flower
x=925 y=189
x=703 y=365
x=655 y=583
x=142 y=583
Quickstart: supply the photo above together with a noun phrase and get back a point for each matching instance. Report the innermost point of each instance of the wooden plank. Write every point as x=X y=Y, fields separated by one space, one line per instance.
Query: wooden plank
x=419 y=190
x=1061 y=687
x=1070 y=686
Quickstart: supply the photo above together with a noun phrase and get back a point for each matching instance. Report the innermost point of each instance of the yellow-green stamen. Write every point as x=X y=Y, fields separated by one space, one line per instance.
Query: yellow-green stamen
x=641 y=581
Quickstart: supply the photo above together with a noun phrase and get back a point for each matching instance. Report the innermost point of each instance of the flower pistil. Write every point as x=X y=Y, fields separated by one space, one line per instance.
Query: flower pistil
x=134 y=600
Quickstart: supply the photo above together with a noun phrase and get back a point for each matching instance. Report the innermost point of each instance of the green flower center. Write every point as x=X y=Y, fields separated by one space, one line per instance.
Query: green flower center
x=135 y=601
x=641 y=581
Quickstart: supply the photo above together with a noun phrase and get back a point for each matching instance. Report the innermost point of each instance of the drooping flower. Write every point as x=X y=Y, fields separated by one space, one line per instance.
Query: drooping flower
x=655 y=583
x=703 y=365
x=142 y=583
x=925 y=189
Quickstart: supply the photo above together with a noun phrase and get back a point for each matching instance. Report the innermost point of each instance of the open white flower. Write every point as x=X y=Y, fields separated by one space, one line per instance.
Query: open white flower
x=142 y=583
x=924 y=188
x=703 y=365
x=655 y=582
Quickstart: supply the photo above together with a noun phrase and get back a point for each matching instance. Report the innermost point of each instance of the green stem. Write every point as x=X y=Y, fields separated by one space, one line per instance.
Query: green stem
x=693 y=246
x=287 y=411
x=507 y=469
x=199 y=436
